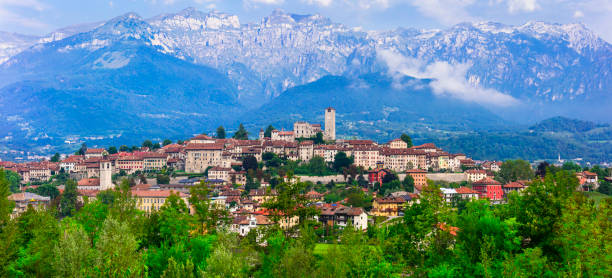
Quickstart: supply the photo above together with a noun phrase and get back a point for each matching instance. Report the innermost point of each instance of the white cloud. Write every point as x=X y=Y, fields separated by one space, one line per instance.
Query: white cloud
x=7 y=16
x=522 y=5
x=374 y=4
x=445 y=11
x=266 y=2
x=322 y=3
x=449 y=79
x=578 y=14
x=31 y=4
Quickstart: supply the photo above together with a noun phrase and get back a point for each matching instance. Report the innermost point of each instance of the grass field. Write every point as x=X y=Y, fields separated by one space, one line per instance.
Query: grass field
x=596 y=196
x=321 y=249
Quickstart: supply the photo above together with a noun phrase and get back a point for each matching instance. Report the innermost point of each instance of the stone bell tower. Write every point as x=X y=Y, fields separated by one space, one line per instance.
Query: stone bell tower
x=330 y=123
x=106 y=175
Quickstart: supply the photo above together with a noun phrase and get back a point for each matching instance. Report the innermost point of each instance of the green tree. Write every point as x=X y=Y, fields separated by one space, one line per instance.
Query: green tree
x=408 y=183
x=14 y=180
x=582 y=235
x=513 y=170
x=268 y=131
x=341 y=160
x=68 y=203
x=55 y=157
x=147 y=144
x=221 y=132
x=317 y=166
x=179 y=270
x=174 y=220
x=38 y=232
x=82 y=150
x=163 y=179
x=124 y=148
x=72 y=254
x=49 y=190
x=117 y=251
x=485 y=239
x=605 y=187
x=289 y=202
x=6 y=205
x=571 y=166
x=318 y=139
x=112 y=150
x=249 y=162
x=166 y=142
x=228 y=260
x=206 y=215
x=406 y=139
x=241 y=134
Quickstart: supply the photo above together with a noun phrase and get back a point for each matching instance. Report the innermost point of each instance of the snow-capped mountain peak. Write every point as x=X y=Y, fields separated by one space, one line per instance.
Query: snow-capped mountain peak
x=536 y=59
x=194 y=20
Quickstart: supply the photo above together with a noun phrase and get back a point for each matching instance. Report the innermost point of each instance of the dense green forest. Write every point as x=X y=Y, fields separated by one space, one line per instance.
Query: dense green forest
x=548 y=139
x=549 y=231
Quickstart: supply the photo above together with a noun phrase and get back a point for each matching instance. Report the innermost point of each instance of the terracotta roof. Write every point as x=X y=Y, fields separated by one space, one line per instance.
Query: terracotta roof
x=415 y=171
x=487 y=181
x=262 y=192
x=211 y=146
x=425 y=146
x=73 y=159
x=514 y=184
x=100 y=150
x=88 y=192
x=260 y=219
x=314 y=194
x=360 y=142
x=218 y=168
x=476 y=171
x=389 y=200
x=89 y=182
x=142 y=186
x=465 y=190
x=335 y=209
x=202 y=137
x=156 y=193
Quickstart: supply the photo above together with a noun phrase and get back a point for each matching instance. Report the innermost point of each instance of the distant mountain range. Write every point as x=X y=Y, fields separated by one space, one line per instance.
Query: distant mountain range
x=174 y=75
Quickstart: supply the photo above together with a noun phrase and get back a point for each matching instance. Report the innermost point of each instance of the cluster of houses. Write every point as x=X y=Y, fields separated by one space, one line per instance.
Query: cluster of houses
x=219 y=158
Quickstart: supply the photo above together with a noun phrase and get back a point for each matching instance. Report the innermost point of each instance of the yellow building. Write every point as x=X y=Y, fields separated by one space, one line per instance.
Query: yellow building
x=153 y=200
x=388 y=206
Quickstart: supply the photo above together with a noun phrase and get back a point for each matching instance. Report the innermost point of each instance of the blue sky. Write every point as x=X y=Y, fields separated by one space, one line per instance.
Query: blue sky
x=43 y=16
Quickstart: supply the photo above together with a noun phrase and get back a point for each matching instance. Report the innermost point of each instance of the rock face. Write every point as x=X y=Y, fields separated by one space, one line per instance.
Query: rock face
x=549 y=62
x=207 y=66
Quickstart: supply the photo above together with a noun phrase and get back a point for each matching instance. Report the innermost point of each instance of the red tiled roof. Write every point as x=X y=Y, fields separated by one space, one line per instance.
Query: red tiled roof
x=514 y=184
x=465 y=190
x=156 y=193
x=89 y=182
x=416 y=171
x=211 y=146
x=425 y=146
x=73 y=159
x=95 y=151
x=487 y=181
x=88 y=192
x=390 y=200
x=202 y=137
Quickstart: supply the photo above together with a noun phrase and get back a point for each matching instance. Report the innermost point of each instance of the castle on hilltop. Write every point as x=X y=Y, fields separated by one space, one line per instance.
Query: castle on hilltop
x=307 y=130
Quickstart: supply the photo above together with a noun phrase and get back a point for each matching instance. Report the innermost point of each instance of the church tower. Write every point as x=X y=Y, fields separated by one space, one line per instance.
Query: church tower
x=330 y=123
x=106 y=173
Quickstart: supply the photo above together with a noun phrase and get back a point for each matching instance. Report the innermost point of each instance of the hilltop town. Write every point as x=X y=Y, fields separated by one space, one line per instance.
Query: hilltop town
x=382 y=177
x=292 y=201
